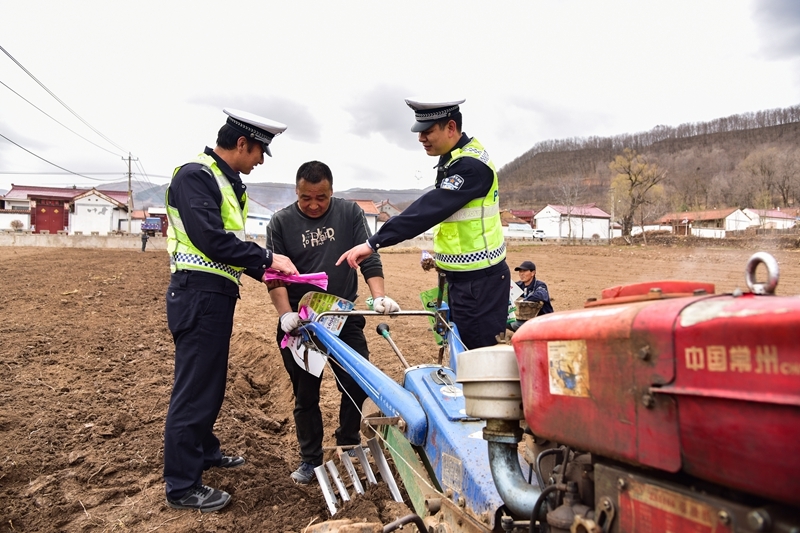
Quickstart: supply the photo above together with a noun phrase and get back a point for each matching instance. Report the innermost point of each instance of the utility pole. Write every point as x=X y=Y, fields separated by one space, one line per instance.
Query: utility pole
x=130 y=192
x=611 y=222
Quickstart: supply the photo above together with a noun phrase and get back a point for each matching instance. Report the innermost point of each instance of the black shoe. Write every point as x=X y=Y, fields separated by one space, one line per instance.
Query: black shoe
x=231 y=461
x=202 y=498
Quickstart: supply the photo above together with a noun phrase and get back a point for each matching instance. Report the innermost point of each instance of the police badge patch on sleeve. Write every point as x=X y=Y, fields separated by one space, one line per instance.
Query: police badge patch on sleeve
x=452 y=183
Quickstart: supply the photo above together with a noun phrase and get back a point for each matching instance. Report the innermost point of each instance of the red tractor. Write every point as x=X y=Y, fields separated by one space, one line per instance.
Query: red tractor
x=665 y=407
x=660 y=407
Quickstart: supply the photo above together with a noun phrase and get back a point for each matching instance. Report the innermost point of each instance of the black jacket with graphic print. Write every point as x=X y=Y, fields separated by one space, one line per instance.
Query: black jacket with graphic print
x=315 y=244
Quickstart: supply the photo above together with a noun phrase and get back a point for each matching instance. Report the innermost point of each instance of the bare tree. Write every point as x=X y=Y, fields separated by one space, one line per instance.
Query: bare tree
x=651 y=208
x=634 y=180
x=571 y=191
x=760 y=169
x=787 y=177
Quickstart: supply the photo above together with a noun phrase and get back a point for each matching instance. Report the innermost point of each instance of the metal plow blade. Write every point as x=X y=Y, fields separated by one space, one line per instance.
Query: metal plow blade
x=328 y=475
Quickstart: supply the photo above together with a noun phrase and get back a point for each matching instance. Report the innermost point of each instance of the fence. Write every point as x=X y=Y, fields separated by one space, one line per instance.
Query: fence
x=62 y=240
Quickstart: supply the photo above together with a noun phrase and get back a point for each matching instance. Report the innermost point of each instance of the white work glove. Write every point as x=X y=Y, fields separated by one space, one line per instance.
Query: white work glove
x=290 y=322
x=384 y=304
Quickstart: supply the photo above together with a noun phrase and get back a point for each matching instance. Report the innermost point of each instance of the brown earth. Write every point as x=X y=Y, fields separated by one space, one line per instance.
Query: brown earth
x=86 y=361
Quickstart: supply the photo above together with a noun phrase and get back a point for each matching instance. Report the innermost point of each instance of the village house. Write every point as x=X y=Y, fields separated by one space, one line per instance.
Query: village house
x=385 y=211
x=370 y=213
x=711 y=223
x=578 y=222
x=258 y=217
x=526 y=215
x=515 y=227
x=65 y=210
x=771 y=218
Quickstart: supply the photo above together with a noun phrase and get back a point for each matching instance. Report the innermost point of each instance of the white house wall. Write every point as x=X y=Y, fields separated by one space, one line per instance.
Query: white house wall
x=708 y=233
x=737 y=221
x=92 y=213
x=372 y=223
x=256 y=226
x=556 y=225
x=18 y=204
x=7 y=218
x=584 y=228
x=778 y=223
x=548 y=220
x=637 y=230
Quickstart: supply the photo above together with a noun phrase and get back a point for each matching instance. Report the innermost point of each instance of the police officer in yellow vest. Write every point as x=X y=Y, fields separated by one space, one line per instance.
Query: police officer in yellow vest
x=464 y=211
x=207 y=208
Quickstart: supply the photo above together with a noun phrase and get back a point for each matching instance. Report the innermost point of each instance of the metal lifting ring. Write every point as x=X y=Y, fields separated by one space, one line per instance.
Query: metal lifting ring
x=773 y=273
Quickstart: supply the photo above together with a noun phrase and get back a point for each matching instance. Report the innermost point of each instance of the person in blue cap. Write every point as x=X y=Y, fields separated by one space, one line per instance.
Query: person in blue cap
x=533 y=290
x=464 y=211
x=207 y=208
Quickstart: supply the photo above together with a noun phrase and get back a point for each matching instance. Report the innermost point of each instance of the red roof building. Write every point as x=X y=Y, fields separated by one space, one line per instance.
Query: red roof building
x=50 y=207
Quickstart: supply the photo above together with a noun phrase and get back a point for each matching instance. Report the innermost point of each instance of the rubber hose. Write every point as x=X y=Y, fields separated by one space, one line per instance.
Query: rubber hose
x=537 y=507
x=405 y=520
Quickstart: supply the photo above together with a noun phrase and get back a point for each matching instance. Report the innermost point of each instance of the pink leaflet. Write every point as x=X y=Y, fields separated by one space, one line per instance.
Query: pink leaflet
x=320 y=279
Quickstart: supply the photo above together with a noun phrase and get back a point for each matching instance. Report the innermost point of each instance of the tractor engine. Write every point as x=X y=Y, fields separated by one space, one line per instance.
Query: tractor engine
x=664 y=407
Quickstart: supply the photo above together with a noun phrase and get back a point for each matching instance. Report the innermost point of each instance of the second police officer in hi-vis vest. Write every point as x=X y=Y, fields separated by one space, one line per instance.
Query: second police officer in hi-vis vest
x=464 y=211
x=207 y=208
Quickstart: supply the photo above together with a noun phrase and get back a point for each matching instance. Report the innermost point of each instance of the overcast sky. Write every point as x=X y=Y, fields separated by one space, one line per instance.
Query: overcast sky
x=152 y=78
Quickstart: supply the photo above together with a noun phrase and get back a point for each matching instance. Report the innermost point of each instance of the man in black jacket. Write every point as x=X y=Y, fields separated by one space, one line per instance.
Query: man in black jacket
x=313 y=232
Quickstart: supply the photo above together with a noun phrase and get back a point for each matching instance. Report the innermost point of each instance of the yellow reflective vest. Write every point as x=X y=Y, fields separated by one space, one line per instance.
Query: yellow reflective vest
x=183 y=255
x=471 y=238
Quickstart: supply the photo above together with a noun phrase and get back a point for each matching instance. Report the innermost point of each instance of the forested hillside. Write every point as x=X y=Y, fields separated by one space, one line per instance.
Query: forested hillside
x=747 y=160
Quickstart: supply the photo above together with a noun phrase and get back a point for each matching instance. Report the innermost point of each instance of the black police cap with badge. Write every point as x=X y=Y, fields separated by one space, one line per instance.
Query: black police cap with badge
x=254 y=127
x=428 y=112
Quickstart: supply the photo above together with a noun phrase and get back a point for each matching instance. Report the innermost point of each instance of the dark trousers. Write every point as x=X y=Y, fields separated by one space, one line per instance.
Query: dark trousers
x=307 y=415
x=201 y=324
x=479 y=306
x=144 y=244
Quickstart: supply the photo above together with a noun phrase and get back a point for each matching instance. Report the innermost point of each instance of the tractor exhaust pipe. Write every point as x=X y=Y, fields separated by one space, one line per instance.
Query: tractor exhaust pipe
x=518 y=495
x=492 y=392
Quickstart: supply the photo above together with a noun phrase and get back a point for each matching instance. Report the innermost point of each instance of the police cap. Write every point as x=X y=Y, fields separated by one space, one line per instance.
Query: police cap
x=427 y=111
x=254 y=127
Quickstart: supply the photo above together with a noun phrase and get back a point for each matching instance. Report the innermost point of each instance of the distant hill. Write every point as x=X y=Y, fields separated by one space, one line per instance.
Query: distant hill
x=737 y=161
x=274 y=195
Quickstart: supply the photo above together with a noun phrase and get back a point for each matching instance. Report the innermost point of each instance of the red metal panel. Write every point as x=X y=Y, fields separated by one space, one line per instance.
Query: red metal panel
x=604 y=412
x=666 y=287
x=647 y=507
x=738 y=391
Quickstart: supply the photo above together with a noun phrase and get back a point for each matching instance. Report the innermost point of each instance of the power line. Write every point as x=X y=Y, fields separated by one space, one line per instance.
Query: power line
x=51 y=93
x=44 y=173
x=141 y=167
x=57 y=122
x=49 y=162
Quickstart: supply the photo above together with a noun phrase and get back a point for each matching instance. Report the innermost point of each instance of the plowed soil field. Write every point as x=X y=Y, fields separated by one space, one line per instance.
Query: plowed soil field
x=86 y=364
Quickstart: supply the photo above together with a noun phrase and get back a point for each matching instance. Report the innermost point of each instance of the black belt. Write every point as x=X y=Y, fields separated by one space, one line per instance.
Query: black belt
x=468 y=275
x=204 y=281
